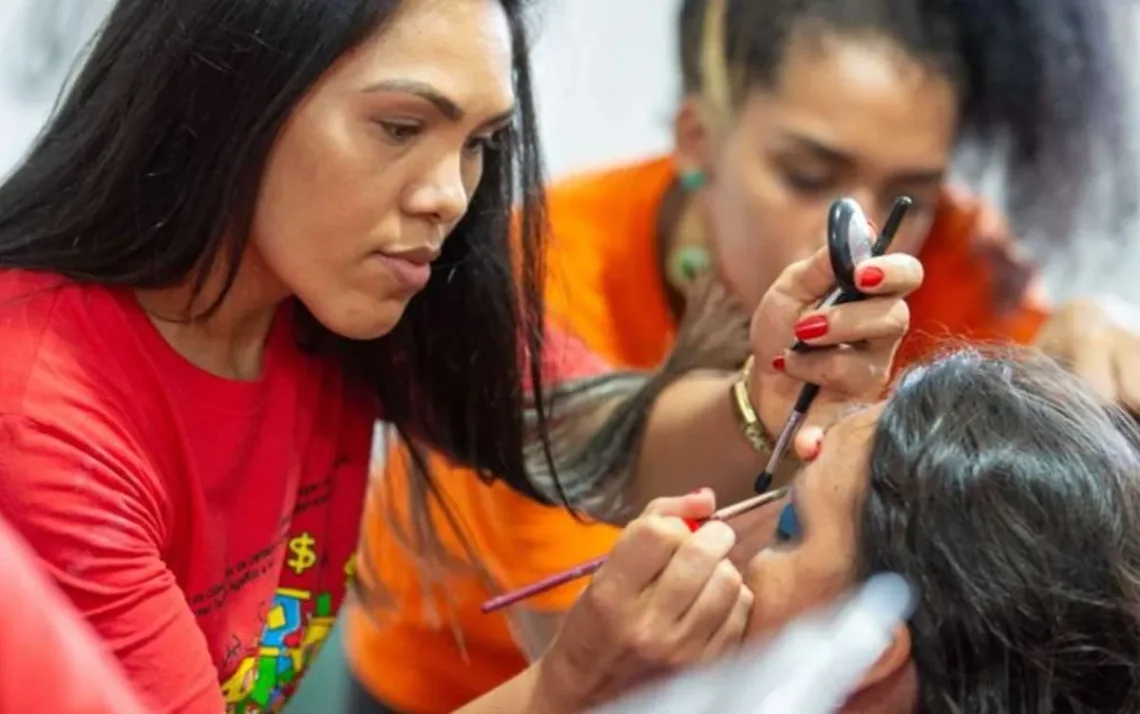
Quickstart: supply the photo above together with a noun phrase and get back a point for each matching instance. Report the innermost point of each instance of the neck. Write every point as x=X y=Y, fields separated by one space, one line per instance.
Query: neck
x=230 y=341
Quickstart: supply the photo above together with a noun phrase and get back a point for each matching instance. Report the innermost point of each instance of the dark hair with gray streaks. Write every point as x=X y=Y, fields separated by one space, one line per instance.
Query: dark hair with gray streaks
x=1009 y=495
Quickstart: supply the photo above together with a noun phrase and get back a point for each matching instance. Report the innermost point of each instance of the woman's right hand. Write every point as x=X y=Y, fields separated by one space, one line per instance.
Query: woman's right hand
x=666 y=598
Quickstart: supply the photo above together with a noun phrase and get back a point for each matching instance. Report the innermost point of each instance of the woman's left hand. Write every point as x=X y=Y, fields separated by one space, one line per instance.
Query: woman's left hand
x=863 y=337
x=1099 y=340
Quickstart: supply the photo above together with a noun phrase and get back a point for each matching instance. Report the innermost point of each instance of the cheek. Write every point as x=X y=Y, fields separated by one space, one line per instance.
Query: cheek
x=759 y=227
x=788 y=583
x=319 y=200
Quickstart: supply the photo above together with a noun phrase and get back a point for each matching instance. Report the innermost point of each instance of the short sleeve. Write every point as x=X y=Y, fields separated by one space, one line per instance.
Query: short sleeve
x=96 y=518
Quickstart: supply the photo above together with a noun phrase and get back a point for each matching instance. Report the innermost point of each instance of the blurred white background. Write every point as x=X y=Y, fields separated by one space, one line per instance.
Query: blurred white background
x=605 y=82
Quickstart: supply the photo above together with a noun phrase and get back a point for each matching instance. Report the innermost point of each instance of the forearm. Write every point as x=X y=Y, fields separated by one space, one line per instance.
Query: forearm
x=693 y=440
x=524 y=694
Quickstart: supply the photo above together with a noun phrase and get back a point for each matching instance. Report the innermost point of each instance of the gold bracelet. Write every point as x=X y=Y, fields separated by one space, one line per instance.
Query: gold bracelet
x=749 y=422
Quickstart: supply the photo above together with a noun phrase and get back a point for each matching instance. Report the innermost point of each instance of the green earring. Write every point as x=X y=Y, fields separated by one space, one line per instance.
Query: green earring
x=692 y=179
x=690 y=262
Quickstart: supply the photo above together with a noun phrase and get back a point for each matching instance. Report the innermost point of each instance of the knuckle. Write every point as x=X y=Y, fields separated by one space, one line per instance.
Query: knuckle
x=696 y=554
x=666 y=529
x=643 y=643
x=652 y=528
x=601 y=600
x=914 y=272
x=900 y=314
x=727 y=578
x=919 y=271
x=833 y=374
x=746 y=598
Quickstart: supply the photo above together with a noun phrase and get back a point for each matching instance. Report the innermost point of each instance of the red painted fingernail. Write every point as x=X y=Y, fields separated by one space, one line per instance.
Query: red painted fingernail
x=695 y=491
x=693 y=524
x=870 y=277
x=778 y=363
x=811 y=327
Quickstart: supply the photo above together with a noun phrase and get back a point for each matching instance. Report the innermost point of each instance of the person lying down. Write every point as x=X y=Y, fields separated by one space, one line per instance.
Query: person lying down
x=1009 y=497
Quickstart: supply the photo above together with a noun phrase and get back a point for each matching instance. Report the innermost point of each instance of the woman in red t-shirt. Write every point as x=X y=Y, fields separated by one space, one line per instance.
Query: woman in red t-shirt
x=252 y=228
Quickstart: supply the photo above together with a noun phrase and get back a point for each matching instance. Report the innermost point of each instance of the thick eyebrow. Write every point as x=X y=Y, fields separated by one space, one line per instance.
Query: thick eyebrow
x=446 y=106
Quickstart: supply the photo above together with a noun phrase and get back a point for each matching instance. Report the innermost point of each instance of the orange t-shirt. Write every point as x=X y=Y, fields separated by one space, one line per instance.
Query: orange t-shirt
x=604 y=287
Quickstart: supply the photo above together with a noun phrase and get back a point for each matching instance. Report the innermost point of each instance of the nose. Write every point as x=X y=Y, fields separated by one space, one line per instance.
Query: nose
x=440 y=195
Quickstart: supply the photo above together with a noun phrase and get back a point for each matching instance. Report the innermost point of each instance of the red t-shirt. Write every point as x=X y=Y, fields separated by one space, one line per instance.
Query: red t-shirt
x=203 y=526
x=50 y=660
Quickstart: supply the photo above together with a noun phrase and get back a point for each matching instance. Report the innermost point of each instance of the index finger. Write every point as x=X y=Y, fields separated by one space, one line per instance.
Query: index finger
x=893 y=274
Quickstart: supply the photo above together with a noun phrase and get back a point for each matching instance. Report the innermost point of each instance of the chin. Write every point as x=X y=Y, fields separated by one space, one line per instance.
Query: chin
x=362 y=322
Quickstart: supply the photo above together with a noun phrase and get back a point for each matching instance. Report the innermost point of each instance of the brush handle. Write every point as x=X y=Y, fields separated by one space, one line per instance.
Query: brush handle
x=592 y=566
x=537 y=588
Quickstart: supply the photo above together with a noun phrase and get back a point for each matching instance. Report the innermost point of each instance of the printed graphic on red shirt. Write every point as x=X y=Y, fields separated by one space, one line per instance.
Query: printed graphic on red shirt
x=315 y=569
x=296 y=626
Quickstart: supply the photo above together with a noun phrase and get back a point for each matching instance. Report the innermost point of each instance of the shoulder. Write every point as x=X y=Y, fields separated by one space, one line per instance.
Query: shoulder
x=58 y=336
x=71 y=409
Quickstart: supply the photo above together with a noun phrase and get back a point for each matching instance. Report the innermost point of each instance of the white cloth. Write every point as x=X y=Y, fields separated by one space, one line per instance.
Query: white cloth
x=811 y=667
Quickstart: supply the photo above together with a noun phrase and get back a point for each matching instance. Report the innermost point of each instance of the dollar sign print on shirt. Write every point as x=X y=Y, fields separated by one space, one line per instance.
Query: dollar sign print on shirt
x=302 y=557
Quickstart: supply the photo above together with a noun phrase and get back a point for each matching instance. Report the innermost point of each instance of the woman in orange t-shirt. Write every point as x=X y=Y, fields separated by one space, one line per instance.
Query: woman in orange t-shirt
x=844 y=100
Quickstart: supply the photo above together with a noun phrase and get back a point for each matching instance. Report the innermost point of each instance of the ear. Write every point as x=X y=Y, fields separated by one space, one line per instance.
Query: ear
x=692 y=137
x=892 y=663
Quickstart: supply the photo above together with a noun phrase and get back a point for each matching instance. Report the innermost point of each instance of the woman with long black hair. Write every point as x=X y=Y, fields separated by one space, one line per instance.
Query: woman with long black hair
x=252 y=229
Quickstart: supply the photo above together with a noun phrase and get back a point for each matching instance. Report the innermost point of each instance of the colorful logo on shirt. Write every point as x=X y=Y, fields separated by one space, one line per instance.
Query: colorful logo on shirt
x=296 y=625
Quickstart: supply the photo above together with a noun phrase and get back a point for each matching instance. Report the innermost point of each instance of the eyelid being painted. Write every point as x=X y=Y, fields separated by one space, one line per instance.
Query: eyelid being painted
x=806 y=181
x=788 y=526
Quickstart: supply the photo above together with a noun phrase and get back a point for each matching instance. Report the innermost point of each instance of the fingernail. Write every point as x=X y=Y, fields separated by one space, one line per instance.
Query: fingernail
x=778 y=363
x=811 y=456
x=811 y=327
x=693 y=524
x=695 y=491
x=870 y=277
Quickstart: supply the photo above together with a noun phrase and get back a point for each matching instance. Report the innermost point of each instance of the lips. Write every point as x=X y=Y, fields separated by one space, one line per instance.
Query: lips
x=411 y=275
